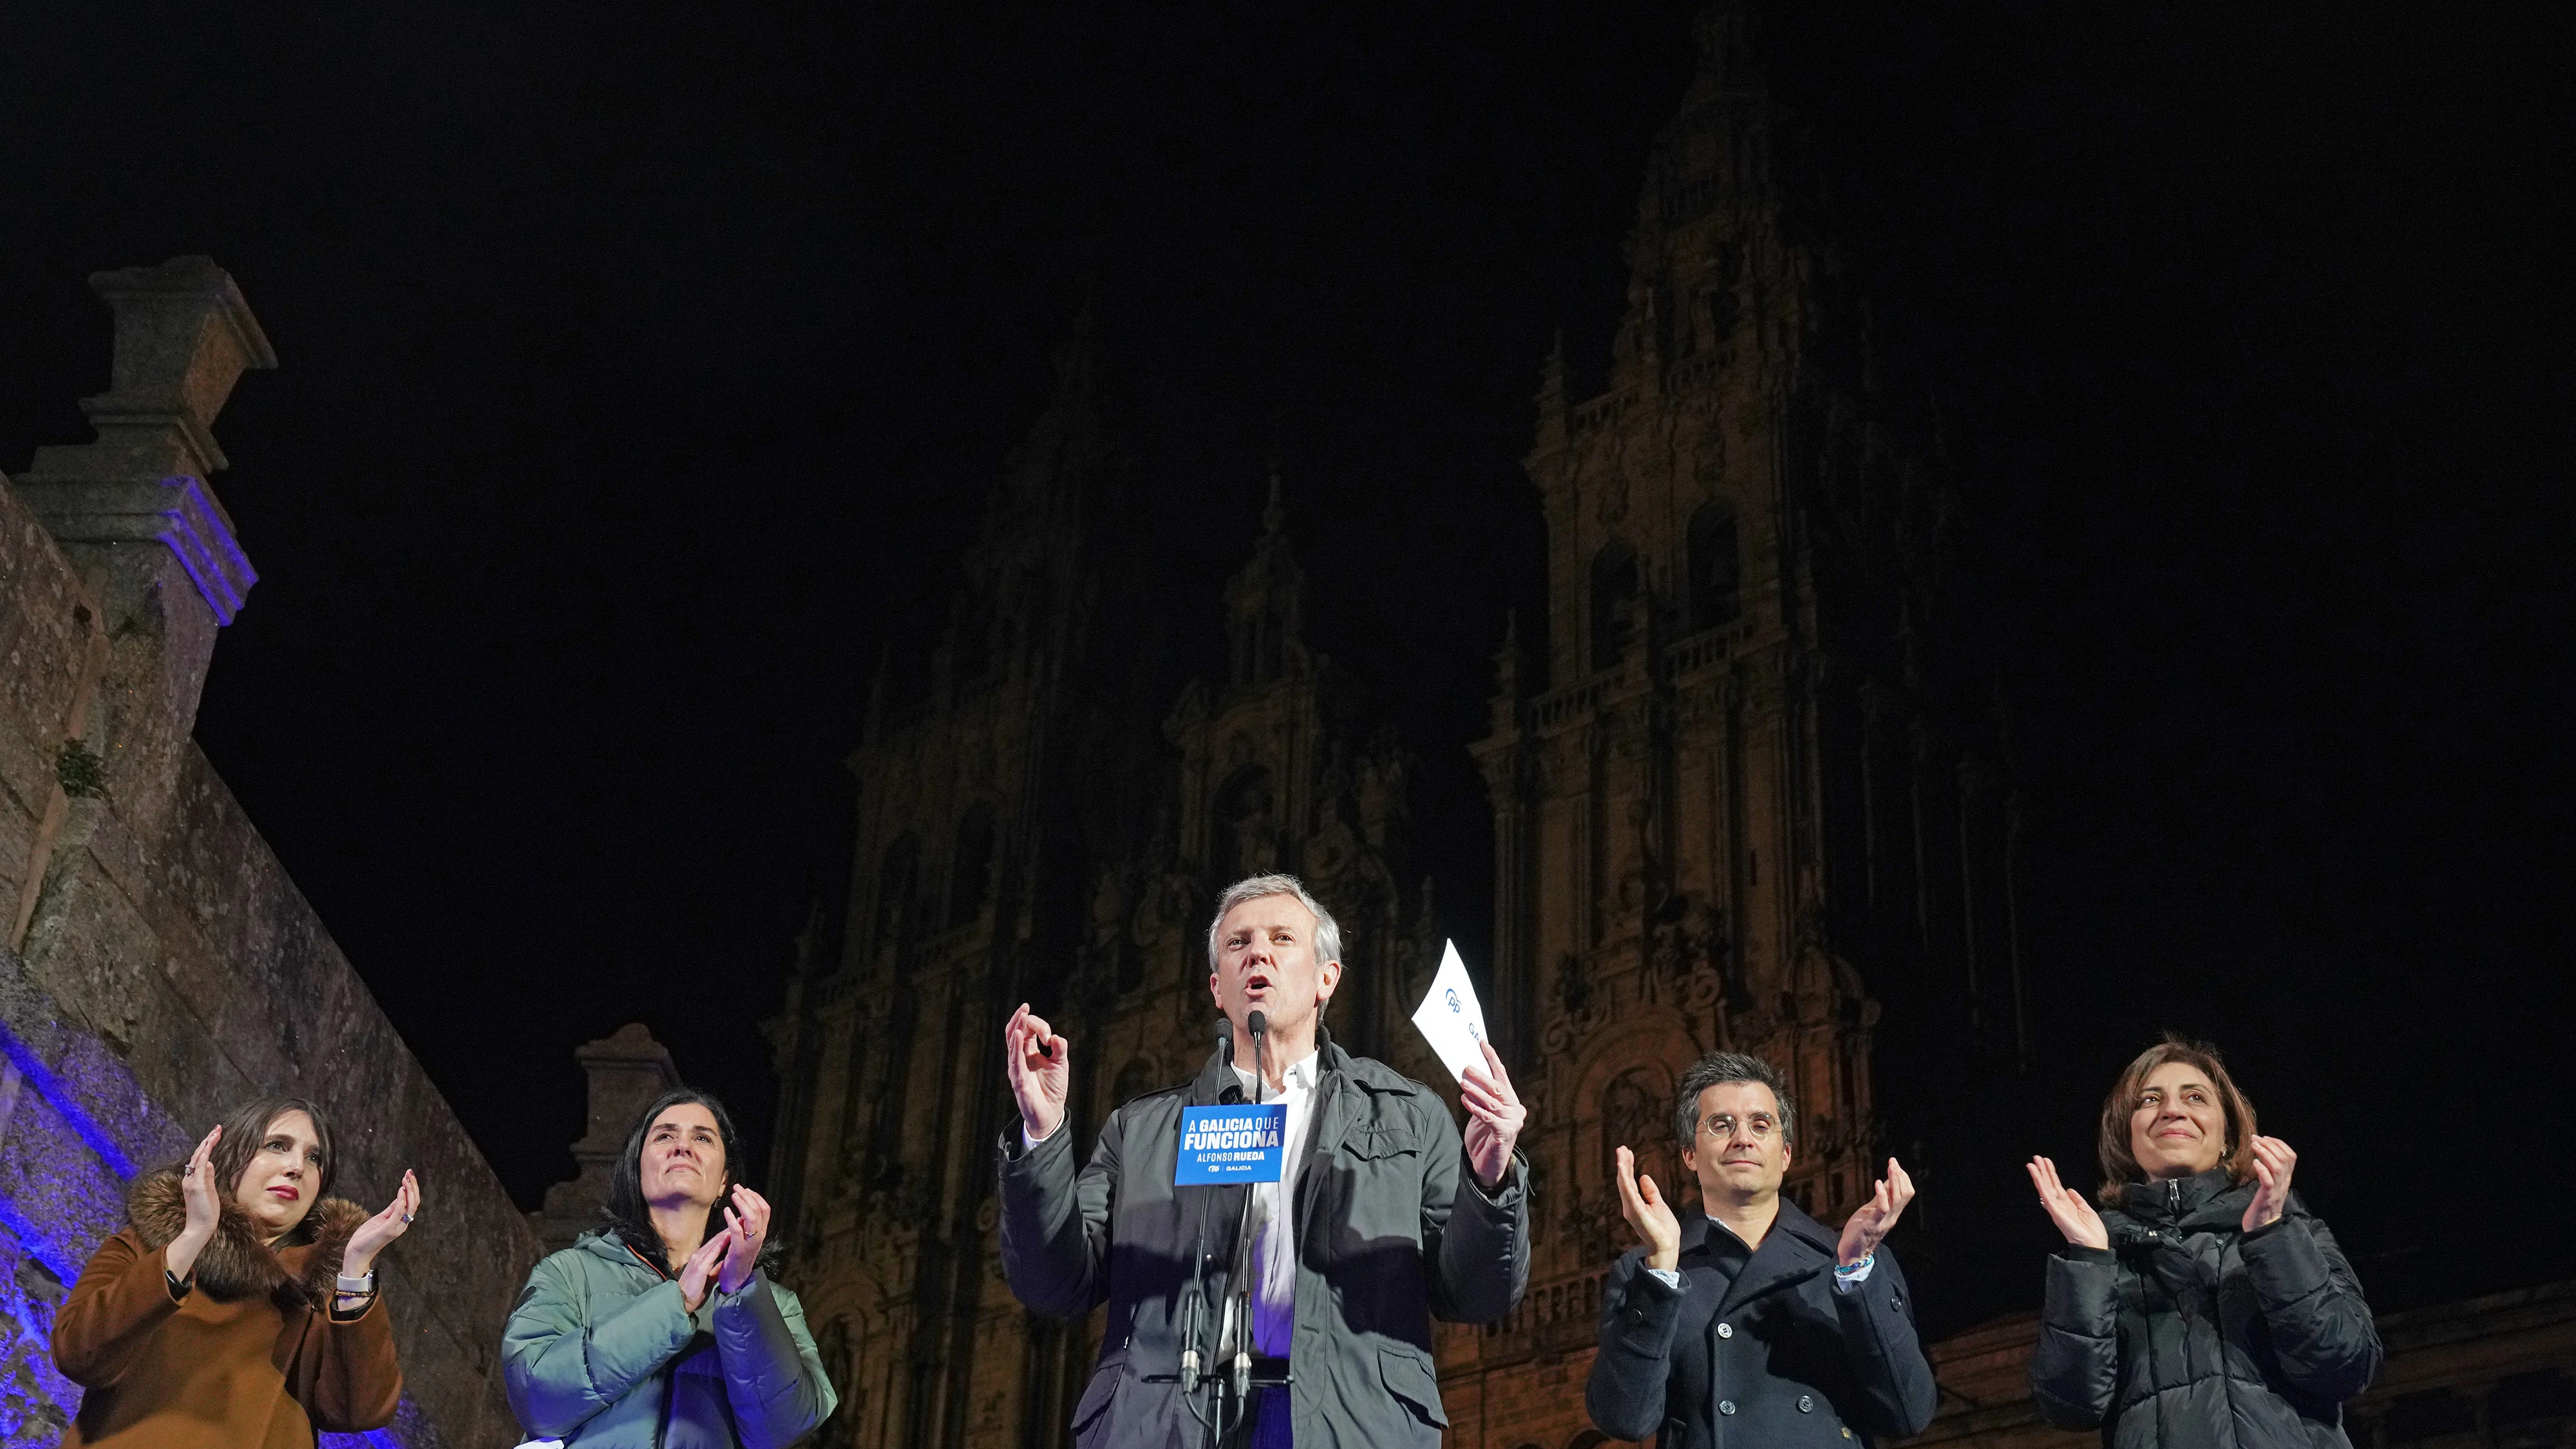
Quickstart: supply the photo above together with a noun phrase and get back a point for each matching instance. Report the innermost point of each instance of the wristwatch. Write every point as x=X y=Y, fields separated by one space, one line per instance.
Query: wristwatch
x=358 y=1287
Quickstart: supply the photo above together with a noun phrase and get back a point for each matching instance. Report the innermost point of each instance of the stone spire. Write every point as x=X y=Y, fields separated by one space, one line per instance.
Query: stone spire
x=1265 y=602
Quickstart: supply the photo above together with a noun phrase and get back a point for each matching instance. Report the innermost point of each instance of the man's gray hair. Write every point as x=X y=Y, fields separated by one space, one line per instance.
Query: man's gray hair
x=1328 y=932
x=1716 y=1069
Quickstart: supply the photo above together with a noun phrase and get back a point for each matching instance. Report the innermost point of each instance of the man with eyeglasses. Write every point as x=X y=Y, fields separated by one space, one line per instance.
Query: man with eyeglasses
x=1752 y=1323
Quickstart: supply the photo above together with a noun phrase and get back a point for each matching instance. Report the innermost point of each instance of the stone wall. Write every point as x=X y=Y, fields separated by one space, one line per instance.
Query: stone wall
x=158 y=964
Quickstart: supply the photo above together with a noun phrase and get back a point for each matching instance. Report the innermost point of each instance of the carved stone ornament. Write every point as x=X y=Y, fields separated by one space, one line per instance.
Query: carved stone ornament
x=1593 y=1223
x=1611 y=505
x=1108 y=911
x=1581 y=1005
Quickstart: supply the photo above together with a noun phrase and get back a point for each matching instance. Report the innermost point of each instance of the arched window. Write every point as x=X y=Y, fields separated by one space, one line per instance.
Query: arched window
x=1633 y=1116
x=1715 y=571
x=970 y=876
x=898 y=880
x=1614 y=585
x=1714 y=568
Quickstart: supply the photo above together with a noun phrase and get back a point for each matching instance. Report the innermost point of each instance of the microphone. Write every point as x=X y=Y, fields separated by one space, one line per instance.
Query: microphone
x=1259 y=1025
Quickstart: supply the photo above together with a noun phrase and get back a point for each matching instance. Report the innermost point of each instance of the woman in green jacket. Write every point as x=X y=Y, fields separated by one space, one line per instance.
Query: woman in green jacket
x=654 y=1332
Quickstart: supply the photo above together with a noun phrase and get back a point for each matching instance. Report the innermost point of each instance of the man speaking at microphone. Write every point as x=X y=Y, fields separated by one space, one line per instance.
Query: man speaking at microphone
x=1384 y=1216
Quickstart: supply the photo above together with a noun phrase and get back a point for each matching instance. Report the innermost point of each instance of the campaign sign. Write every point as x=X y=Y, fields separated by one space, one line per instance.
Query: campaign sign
x=1231 y=1144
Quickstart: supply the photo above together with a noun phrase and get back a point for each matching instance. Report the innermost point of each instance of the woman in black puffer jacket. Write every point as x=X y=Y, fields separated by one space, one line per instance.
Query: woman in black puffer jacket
x=2205 y=1307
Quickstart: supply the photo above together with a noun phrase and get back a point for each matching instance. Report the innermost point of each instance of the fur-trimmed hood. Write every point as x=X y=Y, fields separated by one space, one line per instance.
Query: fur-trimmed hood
x=236 y=1264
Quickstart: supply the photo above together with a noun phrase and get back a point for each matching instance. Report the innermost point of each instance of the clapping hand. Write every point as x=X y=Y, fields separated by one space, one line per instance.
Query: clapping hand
x=373 y=1234
x=747 y=1221
x=1494 y=1118
x=1034 y=1058
x=1643 y=1205
x=205 y=1209
x=1865 y=1229
x=2072 y=1214
x=2273 y=1161
x=701 y=1267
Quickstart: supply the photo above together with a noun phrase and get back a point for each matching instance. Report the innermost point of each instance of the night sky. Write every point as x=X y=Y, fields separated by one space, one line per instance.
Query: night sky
x=644 y=369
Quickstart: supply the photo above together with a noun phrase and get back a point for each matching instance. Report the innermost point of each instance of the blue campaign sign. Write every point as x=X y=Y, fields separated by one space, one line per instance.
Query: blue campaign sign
x=1231 y=1144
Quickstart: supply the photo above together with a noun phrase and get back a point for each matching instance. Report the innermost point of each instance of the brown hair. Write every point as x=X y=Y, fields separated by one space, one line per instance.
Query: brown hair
x=2119 y=1165
x=246 y=1126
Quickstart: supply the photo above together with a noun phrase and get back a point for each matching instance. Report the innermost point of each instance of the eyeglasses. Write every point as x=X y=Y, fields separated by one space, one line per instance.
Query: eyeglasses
x=1722 y=1127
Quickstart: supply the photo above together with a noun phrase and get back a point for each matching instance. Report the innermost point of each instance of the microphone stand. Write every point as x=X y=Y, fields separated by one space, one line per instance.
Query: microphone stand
x=1237 y=1329
x=1194 y=1304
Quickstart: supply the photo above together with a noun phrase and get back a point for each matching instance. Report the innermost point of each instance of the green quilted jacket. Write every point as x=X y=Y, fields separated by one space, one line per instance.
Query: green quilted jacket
x=600 y=1354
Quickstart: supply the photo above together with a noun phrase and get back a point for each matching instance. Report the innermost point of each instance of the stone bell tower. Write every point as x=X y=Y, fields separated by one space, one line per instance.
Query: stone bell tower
x=1727 y=810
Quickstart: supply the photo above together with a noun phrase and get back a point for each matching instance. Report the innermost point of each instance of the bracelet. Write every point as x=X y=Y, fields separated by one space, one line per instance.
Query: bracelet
x=1856 y=1269
x=179 y=1287
x=358 y=1287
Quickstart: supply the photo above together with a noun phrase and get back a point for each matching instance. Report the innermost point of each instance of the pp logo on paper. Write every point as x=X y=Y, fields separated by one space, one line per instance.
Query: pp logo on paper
x=1475 y=1028
x=1231 y=1144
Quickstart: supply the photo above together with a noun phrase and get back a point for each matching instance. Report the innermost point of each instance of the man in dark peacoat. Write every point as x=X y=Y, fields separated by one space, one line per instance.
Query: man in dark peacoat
x=1799 y=1336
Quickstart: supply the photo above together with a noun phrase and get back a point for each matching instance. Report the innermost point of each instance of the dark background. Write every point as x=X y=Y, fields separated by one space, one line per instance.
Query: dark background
x=644 y=369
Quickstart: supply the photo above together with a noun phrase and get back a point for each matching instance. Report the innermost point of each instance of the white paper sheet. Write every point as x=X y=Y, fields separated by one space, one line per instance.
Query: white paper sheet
x=1449 y=1017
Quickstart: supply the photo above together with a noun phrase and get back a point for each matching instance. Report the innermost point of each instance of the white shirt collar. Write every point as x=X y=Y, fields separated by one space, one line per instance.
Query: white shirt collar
x=1300 y=1075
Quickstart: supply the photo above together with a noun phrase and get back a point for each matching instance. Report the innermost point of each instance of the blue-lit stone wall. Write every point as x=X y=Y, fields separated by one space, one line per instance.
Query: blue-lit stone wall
x=72 y=1124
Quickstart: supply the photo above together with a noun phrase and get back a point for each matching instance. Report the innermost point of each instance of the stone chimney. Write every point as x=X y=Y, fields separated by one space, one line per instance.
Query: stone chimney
x=133 y=512
x=627 y=1071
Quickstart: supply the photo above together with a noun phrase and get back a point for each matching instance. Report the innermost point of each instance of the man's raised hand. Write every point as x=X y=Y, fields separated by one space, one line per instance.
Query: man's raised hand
x=1643 y=1205
x=1495 y=1117
x=1034 y=1058
x=1865 y=1229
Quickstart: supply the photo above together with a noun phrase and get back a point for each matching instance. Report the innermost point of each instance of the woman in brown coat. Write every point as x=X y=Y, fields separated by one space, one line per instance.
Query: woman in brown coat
x=237 y=1310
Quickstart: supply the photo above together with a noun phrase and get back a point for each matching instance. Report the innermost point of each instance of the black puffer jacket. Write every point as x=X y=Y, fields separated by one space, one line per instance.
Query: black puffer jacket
x=2190 y=1333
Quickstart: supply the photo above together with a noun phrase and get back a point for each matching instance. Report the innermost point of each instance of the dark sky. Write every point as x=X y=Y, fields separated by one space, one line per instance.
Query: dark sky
x=644 y=368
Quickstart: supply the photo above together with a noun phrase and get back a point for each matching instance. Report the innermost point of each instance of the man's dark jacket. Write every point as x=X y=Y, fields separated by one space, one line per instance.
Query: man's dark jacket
x=2190 y=1333
x=1769 y=1356
x=1391 y=1230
